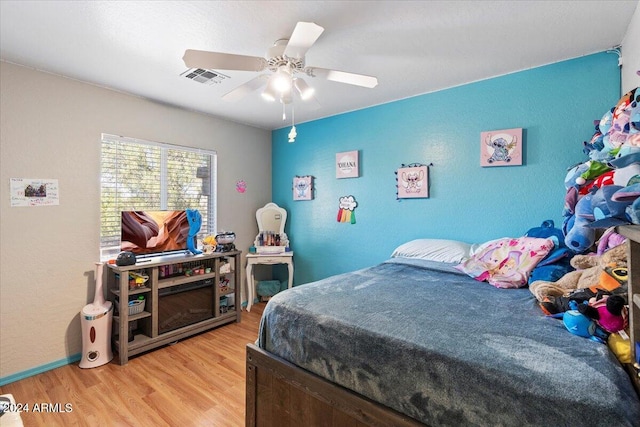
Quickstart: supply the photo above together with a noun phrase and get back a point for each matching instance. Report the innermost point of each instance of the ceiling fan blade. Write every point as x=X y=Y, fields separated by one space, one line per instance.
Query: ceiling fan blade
x=343 y=77
x=246 y=88
x=303 y=37
x=222 y=61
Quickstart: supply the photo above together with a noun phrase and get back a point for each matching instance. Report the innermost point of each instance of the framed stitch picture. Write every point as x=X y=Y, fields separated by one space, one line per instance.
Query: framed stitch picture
x=347 y=165
x=303 y=187
x=501 y=147
x=413 y=181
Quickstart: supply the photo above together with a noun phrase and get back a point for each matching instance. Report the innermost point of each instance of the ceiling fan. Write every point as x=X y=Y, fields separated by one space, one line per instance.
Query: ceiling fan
x=285 y=59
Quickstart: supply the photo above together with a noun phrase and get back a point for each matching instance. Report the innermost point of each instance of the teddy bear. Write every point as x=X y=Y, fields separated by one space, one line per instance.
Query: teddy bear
x=589 y=269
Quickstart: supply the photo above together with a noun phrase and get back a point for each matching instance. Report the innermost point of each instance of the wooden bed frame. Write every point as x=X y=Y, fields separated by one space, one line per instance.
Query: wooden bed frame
x=280 y=394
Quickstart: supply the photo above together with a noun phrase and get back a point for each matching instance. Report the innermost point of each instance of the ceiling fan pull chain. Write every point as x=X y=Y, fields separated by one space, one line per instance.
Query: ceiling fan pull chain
x=292 y=133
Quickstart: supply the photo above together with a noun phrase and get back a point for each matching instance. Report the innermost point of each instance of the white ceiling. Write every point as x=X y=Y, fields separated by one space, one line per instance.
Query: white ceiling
x=412 y=47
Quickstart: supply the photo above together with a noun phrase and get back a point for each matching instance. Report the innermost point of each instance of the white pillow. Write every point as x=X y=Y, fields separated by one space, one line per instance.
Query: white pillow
x=440 y=250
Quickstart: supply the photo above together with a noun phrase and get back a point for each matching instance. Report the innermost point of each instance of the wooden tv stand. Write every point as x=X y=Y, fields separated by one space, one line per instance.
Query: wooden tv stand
x=217 y=275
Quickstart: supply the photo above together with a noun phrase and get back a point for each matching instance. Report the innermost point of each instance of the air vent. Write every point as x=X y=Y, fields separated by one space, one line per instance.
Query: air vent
x=200 y=75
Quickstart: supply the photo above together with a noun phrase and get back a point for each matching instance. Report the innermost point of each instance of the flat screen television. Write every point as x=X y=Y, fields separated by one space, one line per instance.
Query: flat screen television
x=152 y=232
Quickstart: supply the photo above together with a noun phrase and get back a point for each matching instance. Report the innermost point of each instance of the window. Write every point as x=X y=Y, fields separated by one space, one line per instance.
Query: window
x=144 y=175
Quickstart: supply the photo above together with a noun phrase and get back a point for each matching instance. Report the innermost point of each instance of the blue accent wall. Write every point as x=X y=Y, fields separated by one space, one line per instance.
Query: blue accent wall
x=554 y=104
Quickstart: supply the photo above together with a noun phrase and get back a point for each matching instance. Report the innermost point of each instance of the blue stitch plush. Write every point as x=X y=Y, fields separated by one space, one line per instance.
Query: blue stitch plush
x=608 y=212
x=578 y=236
x=556 y=263
x=579 y=324
x=195 y=221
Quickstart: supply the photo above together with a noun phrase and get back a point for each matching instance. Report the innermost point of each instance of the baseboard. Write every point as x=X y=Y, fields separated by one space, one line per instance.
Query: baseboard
x=40 y=369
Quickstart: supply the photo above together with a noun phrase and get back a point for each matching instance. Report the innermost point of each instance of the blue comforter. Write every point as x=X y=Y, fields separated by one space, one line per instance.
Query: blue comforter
x=434 y=344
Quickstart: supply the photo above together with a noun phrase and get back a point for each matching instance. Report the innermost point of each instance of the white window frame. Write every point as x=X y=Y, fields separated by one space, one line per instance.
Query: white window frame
x=108 y=251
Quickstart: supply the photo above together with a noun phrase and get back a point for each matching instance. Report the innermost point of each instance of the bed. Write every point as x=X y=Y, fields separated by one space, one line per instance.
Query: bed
x=415 y=341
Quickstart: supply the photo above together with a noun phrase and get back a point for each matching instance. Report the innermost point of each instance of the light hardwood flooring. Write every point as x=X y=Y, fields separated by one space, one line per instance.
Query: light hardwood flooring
x=199 y=381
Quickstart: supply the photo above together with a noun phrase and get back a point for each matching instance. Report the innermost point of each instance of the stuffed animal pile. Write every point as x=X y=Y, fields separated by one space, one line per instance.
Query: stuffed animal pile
x=606 y=273
x=592 y=300
x=604 y=191
x=601 y=193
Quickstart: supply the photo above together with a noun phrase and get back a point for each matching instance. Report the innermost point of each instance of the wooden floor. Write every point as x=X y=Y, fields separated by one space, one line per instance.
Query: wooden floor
x=199 y=381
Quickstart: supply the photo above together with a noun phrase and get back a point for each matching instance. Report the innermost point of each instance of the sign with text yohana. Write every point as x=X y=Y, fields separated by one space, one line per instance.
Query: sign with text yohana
x=347 y=164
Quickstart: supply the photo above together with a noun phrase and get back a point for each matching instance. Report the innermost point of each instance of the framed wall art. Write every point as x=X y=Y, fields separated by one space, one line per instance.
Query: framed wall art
x=413 y=181
x=303 y=187
x=347 y=165
x=501 y=147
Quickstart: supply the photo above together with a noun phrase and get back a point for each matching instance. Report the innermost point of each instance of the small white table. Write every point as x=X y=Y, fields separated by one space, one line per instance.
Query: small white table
x=268 y=259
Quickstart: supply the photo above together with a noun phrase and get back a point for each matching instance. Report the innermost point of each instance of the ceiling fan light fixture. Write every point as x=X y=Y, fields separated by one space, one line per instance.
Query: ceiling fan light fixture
x=269 y=93
x=286 y=97
x=268 y=96
x=305 y=91
x=282 y=80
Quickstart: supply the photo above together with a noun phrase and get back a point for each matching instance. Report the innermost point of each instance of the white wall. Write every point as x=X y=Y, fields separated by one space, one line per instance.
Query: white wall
x=631 y=54
x=50 y=128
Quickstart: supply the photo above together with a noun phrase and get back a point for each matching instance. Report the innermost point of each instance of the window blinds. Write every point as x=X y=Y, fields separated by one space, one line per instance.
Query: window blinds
x=144 y=175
